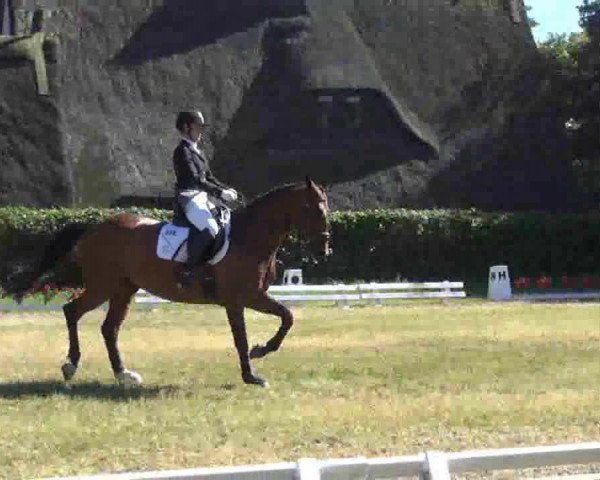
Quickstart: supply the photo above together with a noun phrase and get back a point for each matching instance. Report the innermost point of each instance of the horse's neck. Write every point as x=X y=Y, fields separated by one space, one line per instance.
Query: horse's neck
x=268 y=224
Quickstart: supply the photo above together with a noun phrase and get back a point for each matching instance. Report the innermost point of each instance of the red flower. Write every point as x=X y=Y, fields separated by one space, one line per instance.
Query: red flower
x=522 y=282
x=591 y=281
x=544 y=282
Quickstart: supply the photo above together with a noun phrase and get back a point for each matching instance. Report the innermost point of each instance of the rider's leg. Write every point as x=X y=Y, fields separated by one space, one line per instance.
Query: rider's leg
x=199 y=238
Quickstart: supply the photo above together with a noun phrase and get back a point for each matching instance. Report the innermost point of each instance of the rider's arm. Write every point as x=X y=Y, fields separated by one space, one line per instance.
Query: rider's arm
x=227 y=193
x=207 y=185
x=207 y=181
x=211 y=178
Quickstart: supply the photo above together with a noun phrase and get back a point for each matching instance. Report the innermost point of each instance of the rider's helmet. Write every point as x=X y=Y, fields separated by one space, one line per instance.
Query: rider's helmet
x=185 y=118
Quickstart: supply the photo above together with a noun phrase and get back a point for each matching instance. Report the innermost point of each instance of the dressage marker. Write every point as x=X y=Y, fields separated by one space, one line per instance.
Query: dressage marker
x=500 y=288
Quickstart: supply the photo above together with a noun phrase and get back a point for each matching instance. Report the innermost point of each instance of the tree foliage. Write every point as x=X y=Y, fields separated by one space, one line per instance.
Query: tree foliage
x=588 y=63
x=574 y=64
x=530 y=20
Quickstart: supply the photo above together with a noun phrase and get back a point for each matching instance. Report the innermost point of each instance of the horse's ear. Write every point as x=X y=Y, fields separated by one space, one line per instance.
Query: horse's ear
x=309 y=182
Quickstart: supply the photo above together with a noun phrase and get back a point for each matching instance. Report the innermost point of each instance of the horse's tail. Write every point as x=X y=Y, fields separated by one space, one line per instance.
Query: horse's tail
x=59 y=247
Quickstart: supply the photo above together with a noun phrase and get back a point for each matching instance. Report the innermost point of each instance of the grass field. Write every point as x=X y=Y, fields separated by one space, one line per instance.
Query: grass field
x=365 y=381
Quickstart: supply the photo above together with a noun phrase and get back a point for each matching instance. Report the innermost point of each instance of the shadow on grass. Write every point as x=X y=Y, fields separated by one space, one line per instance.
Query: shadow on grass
x=84 y=390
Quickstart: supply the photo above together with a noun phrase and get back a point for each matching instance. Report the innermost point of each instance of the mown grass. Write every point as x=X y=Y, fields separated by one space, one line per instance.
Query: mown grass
x=365 y=381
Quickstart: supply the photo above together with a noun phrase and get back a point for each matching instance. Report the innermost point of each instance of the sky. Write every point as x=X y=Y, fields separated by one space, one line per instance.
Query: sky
x=554 y=16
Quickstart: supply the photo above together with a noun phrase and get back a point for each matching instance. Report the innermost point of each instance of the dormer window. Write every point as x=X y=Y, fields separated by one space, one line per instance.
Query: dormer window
x=339 y=111
x=355 y=119
x=326 y=102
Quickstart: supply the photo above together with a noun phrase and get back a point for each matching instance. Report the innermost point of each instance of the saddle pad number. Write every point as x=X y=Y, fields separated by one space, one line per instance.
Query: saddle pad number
x=169 y=243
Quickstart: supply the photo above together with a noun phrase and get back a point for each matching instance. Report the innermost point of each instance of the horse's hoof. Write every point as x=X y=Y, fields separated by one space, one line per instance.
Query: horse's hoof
x=68 y=370
x=254 y=380
x=128 y=378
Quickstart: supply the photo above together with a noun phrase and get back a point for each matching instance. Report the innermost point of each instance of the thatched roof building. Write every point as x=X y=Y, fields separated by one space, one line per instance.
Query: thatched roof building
x=392 y=102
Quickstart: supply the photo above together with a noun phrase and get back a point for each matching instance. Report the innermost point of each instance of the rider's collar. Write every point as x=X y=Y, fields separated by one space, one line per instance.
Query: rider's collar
x=193 y=145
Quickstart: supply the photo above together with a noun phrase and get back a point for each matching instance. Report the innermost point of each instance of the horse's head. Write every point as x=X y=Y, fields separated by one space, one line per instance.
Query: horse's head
x=314 y=217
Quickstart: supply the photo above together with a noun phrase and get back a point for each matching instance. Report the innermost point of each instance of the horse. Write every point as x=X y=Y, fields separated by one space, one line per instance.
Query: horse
x=118 y=257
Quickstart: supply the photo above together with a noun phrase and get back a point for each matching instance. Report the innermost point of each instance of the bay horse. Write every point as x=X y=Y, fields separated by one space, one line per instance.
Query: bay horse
x=118 y=257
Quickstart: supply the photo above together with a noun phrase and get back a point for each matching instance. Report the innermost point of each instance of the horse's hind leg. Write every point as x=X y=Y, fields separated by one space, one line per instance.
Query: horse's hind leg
x=92 y=297
x=118 y=307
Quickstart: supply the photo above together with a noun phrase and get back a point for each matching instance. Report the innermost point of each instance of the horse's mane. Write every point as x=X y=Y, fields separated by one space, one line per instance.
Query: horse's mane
x=248 y=215
x=267 y=197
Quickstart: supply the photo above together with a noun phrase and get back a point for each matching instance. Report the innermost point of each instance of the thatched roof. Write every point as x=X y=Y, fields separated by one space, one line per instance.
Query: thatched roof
x=378 y=97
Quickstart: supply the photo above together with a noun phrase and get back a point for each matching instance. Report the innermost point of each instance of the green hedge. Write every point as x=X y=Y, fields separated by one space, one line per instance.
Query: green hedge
x=407 y=244
x=451 y=244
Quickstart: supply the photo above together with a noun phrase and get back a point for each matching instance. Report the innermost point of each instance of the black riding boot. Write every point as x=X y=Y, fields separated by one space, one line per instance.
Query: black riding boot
x=197 y=244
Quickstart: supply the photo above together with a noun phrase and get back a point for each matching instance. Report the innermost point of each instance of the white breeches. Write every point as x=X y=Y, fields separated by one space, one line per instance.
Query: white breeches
x=198 y=213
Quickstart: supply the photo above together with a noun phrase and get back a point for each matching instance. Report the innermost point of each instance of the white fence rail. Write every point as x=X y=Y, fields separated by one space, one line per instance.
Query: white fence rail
x=342 y=294
x=431 y=465
x=351 y=293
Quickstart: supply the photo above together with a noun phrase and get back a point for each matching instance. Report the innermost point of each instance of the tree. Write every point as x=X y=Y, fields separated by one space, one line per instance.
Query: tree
x=589 y=55
x=561 y=55
x=574 y=69
x=588 y=101
x=585 y=127
x=530 y=20
x=562 y=49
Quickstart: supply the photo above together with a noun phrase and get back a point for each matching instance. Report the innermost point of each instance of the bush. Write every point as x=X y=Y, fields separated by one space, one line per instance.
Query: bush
x=451 y=244
x=386 y=244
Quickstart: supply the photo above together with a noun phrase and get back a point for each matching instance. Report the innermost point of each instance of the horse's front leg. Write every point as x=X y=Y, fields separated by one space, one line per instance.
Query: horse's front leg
x=235 y=315
x=267 y=304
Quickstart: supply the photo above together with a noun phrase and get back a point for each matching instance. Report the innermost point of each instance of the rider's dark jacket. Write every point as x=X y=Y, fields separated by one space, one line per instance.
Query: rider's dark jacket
x=192 y=171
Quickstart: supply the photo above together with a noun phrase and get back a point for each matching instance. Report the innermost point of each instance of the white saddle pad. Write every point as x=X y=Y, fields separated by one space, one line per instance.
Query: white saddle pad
x=172 y=244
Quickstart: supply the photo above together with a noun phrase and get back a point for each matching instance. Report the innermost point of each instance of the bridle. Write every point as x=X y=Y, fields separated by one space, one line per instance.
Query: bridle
x=324 y=235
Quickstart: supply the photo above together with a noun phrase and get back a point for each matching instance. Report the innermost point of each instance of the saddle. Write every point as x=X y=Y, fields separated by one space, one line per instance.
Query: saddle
x=172 y=238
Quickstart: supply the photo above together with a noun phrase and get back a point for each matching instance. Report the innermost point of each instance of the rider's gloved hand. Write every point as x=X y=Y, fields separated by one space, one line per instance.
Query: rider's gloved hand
x=229 y=195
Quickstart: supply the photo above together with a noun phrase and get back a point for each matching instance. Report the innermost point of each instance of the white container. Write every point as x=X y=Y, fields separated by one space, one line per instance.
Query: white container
x=292 y=276
x=499 y=283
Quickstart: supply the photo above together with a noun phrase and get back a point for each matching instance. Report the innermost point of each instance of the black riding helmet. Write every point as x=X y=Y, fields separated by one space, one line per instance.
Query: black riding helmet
x=185 y=118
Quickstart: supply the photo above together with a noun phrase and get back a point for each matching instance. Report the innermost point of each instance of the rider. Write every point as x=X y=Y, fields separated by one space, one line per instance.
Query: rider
x=195 y=187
